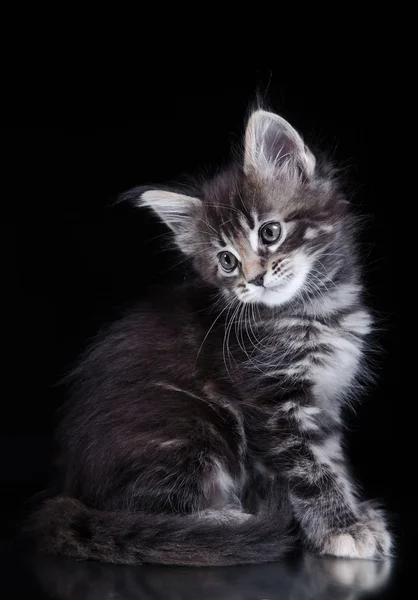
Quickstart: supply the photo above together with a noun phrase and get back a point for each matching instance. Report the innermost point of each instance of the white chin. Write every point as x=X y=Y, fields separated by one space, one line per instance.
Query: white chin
x=276 y=296
x=282 y=293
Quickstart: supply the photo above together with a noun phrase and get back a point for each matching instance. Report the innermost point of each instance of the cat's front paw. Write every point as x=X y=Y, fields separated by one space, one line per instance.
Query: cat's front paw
x=368 y=538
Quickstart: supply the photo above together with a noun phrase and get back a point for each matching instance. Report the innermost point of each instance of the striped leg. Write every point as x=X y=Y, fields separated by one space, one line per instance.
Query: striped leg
x=333 y=521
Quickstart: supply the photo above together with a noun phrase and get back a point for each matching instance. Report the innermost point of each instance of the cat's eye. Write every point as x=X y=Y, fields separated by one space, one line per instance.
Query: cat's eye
x=270 y=232
x=228 y=261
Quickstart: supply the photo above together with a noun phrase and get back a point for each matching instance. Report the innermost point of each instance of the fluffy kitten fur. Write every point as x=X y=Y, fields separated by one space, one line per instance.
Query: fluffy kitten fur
x=206 y=424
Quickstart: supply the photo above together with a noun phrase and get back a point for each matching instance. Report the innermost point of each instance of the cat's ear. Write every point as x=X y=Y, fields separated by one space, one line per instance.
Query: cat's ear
x=176 y=210
x=273 y=146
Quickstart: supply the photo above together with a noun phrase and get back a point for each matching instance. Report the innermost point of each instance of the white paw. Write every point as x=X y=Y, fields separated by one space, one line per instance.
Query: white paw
x=368 y=538
x=345 y=545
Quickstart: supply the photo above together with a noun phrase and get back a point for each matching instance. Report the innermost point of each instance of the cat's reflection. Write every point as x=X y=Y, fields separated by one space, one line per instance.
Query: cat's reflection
x=303 y=578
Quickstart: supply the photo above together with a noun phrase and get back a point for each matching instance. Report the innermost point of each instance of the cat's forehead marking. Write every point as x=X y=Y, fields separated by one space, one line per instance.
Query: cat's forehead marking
x=253 y=235
x=225 y=240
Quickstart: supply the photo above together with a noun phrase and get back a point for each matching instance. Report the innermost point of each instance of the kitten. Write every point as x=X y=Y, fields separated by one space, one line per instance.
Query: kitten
x=204 y=427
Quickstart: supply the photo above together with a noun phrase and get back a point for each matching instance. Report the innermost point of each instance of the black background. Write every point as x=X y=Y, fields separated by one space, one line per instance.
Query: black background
x=73 y=258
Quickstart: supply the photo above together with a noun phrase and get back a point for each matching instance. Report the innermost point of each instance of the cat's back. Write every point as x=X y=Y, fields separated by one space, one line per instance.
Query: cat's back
x=158 y=333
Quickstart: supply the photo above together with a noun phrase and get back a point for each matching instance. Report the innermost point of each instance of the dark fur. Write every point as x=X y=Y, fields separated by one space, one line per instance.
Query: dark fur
x=177 y=451
x=141 y=494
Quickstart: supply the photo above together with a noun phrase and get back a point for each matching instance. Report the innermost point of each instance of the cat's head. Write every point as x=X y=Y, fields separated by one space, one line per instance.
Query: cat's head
x=267 y=230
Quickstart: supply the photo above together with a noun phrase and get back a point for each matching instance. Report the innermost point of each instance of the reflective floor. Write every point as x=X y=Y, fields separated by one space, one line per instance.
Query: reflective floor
x=35 y=576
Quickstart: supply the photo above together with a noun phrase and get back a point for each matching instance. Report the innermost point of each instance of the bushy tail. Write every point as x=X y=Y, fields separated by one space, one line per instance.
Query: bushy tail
x=67 y=527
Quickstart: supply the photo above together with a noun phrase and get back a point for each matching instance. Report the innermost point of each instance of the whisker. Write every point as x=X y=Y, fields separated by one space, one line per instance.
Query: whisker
x=210 y=329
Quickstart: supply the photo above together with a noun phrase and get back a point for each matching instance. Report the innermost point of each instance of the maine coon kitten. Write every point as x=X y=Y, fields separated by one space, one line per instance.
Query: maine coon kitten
x=205 y=424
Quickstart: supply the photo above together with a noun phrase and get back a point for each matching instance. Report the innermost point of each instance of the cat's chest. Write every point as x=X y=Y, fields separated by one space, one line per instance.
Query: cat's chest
x=328 y=355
